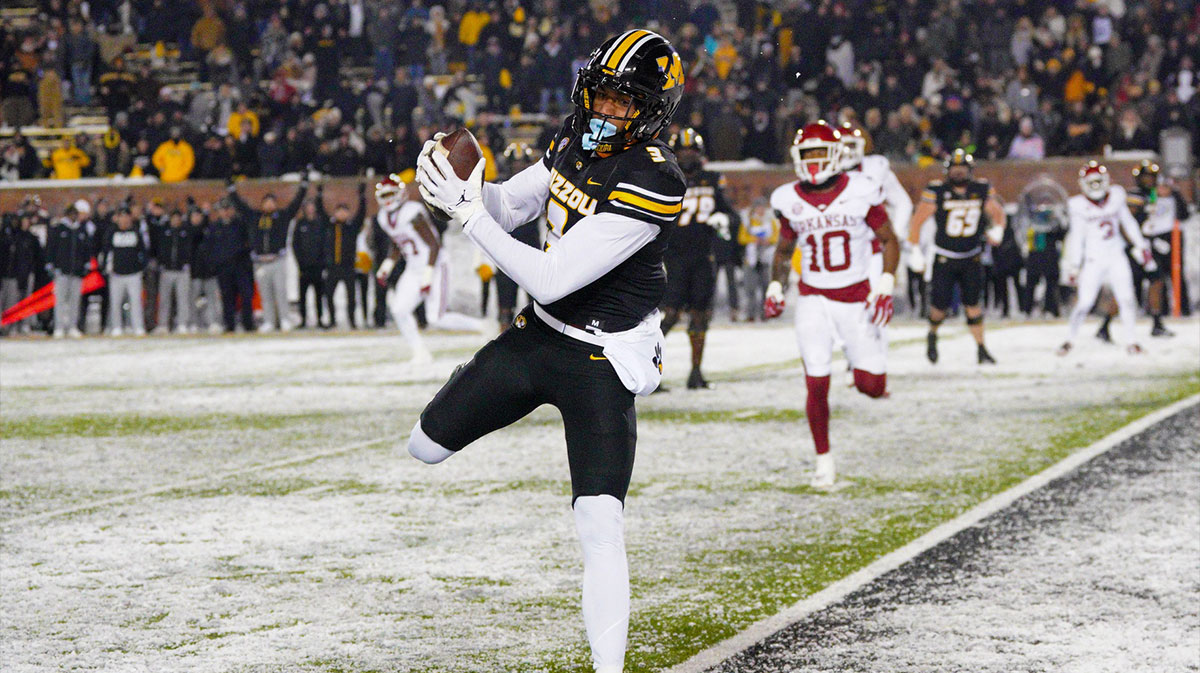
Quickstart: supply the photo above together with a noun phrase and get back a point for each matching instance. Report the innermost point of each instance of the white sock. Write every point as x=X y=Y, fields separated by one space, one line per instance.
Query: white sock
x=600 y=521
x=424 y=449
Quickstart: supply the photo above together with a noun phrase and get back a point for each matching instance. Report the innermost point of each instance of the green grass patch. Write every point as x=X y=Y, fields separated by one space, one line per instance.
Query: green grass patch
x=130 y=425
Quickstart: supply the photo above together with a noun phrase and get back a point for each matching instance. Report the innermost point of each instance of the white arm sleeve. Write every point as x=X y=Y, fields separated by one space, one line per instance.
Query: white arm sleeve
x=518 y=199
x=592 y=248
x=902 y=205
x=1073 y=246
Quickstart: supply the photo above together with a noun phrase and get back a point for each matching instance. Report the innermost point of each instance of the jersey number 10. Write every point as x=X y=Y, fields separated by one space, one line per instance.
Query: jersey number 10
x=829 y=243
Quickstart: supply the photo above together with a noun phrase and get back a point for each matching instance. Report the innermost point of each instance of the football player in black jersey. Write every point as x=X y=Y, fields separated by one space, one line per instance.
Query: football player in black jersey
x=591 y=340
x=691 y=267
x=961 y=206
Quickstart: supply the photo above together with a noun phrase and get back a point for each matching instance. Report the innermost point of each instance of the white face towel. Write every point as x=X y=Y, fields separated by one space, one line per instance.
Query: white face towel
x=637 y=355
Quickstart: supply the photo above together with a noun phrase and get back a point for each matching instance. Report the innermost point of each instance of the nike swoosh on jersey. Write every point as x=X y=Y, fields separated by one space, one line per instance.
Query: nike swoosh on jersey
x=596 y=357
x=593 y=182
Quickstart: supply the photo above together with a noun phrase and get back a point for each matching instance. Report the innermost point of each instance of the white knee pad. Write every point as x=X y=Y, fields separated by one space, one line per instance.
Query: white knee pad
x=424 y=449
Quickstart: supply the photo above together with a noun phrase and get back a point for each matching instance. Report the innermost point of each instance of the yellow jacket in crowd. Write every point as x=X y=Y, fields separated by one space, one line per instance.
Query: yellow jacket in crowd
x=235 y=123
x=174 y=160
x=471 y=26
x=68 y=163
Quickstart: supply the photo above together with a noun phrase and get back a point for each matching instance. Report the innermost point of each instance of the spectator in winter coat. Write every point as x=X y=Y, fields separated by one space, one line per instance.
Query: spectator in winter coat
x=174 y=246
x=1027 y=144
x=174 y=158
x=228 y=250
x=70 y=246
x=125 y=253
x=68 y=161
x=308 y=244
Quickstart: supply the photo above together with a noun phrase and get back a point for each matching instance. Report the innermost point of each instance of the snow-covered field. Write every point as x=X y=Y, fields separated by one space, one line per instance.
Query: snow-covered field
x=236 y=503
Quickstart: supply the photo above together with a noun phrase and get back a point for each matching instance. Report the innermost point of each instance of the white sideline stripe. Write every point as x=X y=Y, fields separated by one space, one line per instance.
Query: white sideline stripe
x=189 y=483
x=847 y=585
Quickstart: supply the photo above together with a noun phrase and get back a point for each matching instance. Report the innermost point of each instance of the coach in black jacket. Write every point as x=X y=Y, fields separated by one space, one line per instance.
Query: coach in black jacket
x=227 y=247
x=342 y=251
x=308 y=243
x=70 y=246
x=269 y=232
x=125 y=253
x=22 y=257
x=174 y=246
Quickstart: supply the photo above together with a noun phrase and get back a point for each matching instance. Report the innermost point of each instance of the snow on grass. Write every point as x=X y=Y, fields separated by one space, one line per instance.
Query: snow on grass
x=369 y=560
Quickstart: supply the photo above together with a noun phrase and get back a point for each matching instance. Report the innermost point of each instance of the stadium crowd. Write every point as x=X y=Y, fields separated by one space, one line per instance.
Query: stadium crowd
x=354 y=86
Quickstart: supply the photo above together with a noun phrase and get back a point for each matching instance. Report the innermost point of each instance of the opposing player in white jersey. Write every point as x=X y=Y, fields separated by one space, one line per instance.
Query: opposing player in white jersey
x=426 y=273
x=834 y=216
x=856 y=156
x=1101 y=225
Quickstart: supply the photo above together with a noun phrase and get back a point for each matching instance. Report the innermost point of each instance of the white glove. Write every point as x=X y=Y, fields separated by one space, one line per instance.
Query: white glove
x=720 y=223
x=1147 y=259
x=773 y=301
x=441 y=188
x=1072 y=275
x=385 y=270
x=916 y=260
x=995 y=234
x=879 y=300
x=428 y=146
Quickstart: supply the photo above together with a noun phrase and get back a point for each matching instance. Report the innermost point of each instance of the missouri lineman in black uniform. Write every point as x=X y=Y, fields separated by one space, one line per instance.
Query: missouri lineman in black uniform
x=961 y=206
x=691 y=268
x=591 y=339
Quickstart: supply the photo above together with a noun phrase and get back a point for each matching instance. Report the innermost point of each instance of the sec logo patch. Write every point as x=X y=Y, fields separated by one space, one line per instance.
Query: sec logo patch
x=519 y=323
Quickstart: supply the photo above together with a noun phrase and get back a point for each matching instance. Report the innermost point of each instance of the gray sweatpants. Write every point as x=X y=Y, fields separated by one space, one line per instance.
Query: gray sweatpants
x=210 y=313
x=120 y=288
x=66 y=301
x=10 y=294
x=271 y=276
x=177 y=286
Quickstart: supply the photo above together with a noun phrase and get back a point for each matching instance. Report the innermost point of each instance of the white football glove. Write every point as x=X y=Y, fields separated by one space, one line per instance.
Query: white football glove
x=995 y=235
x=428 y=146
x=773 y=301
x=441 y=188
x=427 y=280
x=916 y=260
x=720 y=223
x=1147 y=259
x=879 y=301
x=385 y=270
x=1072 y=275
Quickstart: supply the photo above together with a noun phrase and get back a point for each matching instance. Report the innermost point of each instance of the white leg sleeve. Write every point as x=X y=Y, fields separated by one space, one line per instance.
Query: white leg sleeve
x=1120 y=279
x=1090 y=279
x=424 y=449
x=404 y=300
x=600 y=521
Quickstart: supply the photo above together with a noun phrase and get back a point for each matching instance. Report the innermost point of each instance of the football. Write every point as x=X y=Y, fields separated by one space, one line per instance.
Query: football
x=462 y=151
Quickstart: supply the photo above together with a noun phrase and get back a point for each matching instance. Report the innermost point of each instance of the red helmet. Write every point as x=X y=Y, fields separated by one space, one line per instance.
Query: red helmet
x=1094 y=180
x=389 y=191
x=811 y=165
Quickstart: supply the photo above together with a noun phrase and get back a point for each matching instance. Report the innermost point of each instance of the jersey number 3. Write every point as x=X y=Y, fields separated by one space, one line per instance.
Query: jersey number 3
x=829 y=244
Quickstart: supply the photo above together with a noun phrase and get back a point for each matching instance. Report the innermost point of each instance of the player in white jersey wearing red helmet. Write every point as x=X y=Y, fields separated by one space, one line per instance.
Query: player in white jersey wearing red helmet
x=1101 y=225
x=857 y=156
x=426 y=273
x=834 y=216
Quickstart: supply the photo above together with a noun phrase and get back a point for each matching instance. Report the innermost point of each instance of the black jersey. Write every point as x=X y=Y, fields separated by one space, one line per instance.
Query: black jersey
x=960 y=218
x=643 y=183
x=705 y=195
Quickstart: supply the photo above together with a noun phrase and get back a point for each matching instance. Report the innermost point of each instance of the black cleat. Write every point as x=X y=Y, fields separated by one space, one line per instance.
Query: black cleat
x=985 y=358
x=1161 y=330
x=1064 y=349
x=1103 y=334
x=696 y=381
x=931 y=347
